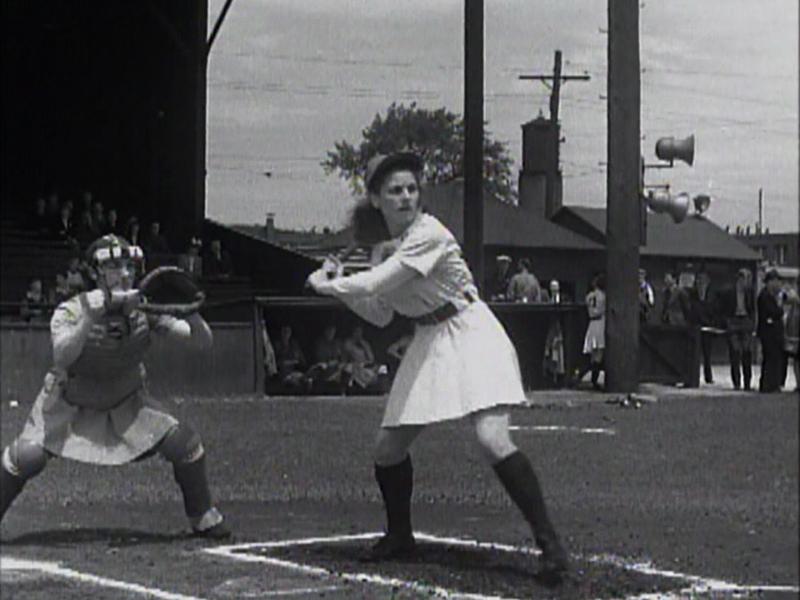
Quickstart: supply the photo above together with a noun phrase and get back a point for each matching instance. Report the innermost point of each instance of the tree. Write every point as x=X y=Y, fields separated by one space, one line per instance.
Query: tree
x=437 y=135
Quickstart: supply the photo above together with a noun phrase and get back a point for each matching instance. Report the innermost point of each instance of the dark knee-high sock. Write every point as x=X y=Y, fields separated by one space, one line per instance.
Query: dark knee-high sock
x=595 y=373
x=519 y=479
x=747 y=368
x=396 y=483
x=10 y=488
x=191 y=477
x=735 y=359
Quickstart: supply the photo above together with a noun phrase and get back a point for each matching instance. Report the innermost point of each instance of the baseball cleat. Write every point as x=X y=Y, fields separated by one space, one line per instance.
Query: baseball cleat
x=390 y=547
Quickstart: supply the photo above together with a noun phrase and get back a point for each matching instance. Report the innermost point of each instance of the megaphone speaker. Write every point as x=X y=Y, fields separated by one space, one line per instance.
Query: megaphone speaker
x=701 y=203
x=676 y=207
x=669 y=148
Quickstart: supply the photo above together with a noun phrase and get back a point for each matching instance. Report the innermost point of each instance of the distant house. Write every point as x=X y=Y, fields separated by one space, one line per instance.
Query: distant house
x=779 y=249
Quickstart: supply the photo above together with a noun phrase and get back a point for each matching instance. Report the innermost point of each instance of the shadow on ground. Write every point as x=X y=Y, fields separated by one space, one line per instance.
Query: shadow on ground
x=477 y=571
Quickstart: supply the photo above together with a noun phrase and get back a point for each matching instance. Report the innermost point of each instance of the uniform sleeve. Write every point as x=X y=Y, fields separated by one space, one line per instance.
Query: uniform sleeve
x=69 y=328
x=424 y=247
x=371 y=308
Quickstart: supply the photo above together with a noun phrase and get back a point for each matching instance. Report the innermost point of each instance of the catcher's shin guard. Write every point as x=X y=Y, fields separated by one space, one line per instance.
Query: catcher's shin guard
x=191 y=478
x=10 y=488
x=519 y=479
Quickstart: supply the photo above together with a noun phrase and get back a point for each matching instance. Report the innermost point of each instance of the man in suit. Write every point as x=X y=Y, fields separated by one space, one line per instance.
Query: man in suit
x=770 y=333
x=737 y=309
x=702 y=314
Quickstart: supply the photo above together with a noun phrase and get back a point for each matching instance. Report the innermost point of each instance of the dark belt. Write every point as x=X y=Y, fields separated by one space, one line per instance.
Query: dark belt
x=595 y=318
x=444 y=312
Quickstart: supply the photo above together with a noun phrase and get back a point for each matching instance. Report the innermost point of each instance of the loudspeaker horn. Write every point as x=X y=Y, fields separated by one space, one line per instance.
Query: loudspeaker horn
x=701 y=203
x=676 y=207
x=668 y=148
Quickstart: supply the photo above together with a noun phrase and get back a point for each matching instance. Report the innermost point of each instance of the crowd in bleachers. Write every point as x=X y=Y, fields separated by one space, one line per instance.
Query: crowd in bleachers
x=336 y=365
x=77 y=223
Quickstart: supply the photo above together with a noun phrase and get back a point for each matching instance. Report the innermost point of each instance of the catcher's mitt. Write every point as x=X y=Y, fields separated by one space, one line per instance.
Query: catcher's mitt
x=170 y=291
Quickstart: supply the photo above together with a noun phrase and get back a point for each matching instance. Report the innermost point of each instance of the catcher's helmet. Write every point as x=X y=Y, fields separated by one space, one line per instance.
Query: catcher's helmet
x=110 y=247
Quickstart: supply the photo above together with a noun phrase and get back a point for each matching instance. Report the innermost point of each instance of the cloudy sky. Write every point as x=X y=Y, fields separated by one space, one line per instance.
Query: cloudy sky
x=288 y=78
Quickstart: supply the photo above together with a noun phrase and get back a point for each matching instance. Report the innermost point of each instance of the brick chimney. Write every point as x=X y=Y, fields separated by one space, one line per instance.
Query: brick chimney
x=269 y=227
x=540 y=157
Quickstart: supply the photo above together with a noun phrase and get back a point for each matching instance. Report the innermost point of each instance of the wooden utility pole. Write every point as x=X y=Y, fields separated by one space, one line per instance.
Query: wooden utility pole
x=622 y=191
x=473 y=137
x=555 y=100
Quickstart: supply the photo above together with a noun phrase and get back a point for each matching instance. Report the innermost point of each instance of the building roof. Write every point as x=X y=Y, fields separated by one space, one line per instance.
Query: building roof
x=694 y=237
x=503 y=224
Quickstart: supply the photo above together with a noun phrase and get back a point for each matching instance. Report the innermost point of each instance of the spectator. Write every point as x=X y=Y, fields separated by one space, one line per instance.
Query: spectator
x=791 y=329
x=675 y=310
x=63 y=227
x=290 y=360
x=133 y=232
x=770 y=333
x=85 y=231
x=99 y=218
x=60 y=291
x=155 y=243
x=647 y=298
x=86 y=201
x=737 y=309
x=328 y=356
x=34 y=304
x=76 y=282
x=112 y=223
x=554 y=365
x=501 y=279
x=360 y=359
x=53 y=207
x=191 y=261
x=702 y=316
x=524 y=287
x=217 y=263
x=595 y=341
x=38 y=220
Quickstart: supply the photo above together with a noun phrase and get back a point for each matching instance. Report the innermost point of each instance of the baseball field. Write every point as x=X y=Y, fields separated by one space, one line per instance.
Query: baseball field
x=688 y=497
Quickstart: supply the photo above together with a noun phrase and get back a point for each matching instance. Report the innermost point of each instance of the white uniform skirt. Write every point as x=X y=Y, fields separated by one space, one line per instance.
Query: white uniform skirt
x=102 y=437
x=454 y=368
x=595 y=336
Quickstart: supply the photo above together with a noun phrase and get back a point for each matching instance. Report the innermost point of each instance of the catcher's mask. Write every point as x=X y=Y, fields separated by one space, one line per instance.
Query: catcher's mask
x=113 y=247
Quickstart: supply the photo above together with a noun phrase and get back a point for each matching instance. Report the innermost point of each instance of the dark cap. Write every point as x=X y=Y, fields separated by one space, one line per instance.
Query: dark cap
x=771 y=274
x=380 y=164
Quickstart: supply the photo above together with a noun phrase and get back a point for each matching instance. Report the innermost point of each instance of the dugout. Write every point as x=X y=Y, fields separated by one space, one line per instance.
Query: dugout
x=107 y=96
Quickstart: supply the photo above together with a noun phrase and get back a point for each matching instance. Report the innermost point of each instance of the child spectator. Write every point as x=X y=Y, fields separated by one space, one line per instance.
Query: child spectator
x=34 y=303
x=156 y=243
x=133 y=232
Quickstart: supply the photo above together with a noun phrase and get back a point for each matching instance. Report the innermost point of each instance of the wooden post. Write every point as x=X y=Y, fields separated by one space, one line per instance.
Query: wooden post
x=624 y=205
x=473 y=138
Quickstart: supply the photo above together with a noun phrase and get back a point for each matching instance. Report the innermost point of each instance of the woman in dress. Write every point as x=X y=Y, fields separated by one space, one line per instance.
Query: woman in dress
x=418 y=271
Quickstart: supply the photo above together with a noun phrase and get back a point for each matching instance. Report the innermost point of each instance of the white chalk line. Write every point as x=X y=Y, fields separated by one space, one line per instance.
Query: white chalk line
x=56 y=570
x=600 y=430
x=699 y=585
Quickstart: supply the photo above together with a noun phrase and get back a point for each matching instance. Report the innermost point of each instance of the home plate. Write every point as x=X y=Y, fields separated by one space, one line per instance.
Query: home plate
x=446 y=567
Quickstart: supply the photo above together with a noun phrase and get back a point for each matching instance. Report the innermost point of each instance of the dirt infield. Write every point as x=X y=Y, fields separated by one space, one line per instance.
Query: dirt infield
x=685 y=497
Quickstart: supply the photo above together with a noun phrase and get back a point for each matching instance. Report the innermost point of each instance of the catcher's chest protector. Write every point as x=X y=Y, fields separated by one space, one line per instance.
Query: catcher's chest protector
x=116 y=346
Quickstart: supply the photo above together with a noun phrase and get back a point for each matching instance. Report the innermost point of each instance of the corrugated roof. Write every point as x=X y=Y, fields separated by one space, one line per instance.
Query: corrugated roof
x=694 y=237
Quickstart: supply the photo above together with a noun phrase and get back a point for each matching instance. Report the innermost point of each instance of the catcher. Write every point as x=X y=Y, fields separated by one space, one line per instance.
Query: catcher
x=94 y=406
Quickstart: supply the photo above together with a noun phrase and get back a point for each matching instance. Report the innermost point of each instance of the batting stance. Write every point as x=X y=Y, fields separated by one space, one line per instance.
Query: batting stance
x=418 y=271
x=94 y=406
